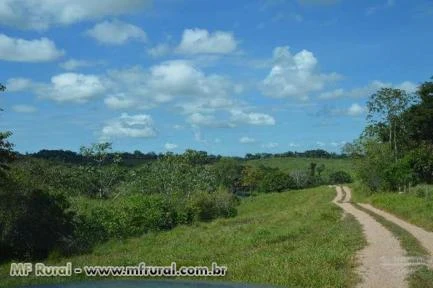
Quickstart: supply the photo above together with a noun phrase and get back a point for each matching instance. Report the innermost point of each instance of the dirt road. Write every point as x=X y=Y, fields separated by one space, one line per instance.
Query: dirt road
x=379 y=260
x=424 y=237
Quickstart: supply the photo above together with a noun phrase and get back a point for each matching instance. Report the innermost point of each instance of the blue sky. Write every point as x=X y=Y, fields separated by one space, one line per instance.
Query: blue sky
x=228 y=77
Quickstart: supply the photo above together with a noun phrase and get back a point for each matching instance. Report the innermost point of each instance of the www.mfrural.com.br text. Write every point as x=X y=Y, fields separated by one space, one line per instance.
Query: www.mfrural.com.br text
x=140 y=270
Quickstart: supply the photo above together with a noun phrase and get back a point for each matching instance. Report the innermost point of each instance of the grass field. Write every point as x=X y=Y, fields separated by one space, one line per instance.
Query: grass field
x=288 y=164
x=295 y=239
x=411 y=206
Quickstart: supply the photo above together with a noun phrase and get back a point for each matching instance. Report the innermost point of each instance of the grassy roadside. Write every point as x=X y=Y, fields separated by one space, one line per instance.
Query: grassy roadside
x=421 y=276
x=295 y=239
x=408 y=206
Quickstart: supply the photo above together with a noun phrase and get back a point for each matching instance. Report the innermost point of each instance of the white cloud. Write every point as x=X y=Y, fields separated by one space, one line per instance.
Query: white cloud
x=200 y=41
x=201 y=119
x=382 y=6
x=72 y=87
x=42 y=14
x=73 y=64
x=368 y=90
x=159 y=50
x=246 y=140
x=355 y=110
x=408 y=86
x=21 y=50
x=18 y=84
x=116 y=32
x=174 y=81
x=293 y=145
x=24 y=109
x=251 y=118
x=270 y=145
x=337 y=93
x=170 y=146
x=118 y=101
x=136 y=126
x=294 y=75
x=320 y=144
x=338 y=144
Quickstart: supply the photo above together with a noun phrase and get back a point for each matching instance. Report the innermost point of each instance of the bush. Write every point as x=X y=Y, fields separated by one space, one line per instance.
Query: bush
x=421 y=161
x=340 y=177
x=32 y=222
x=228 y=173
x=209 y=206
x=171 y=175
x=127 y=216
x=276 y=181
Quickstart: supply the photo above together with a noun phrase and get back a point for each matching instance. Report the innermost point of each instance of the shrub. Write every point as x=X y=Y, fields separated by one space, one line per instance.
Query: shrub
x=340 y=177
x=33 y=222
x=421 y=161
x=251 y=177
x=208 y=206
x=171 y=175
x=276 y=181
x=126 y=216
x=301 y=178
x=228 y=173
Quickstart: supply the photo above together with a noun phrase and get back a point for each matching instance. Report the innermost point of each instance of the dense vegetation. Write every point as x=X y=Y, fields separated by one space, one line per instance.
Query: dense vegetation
x=395 y=151
x=395 y=154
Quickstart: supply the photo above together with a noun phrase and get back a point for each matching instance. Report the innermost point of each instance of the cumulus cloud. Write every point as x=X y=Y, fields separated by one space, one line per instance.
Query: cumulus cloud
x=74 y=64
x=116 y=32
x=172 y=81
x=24 y=109
x=246 y=140
x=200 y=119
x=251 y=118
x=72 y=87
x=170 y=146
x=135 y=126
x=42 y=14
x=21 y=50
x=367 y=90
x=295 y=75
x=270 y=145
x=355 y=110
x=338 y=144
x=200 y=41
x=18 y=84
x=159 y=50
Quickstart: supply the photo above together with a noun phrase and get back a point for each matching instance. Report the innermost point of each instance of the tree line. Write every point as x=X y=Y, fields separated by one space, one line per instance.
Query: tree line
x=395 y=150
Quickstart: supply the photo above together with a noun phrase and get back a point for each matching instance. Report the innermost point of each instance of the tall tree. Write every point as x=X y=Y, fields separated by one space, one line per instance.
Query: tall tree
x=6 y=153
x=419 y=117
x=384 y=110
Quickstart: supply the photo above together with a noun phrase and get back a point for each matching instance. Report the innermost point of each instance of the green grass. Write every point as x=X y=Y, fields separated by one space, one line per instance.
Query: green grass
x=296 y=239
x=288 y=164
x=409 y=206
x=421 y=276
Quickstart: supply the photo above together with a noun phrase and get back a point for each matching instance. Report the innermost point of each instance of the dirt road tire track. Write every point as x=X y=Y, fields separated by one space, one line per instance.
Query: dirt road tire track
x=424 y=237
x=382 y=247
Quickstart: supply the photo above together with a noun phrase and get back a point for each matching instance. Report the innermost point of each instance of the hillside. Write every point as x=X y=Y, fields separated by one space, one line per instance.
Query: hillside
x=297 y=238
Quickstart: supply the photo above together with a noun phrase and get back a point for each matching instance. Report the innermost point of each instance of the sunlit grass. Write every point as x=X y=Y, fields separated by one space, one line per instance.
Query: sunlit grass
x=411 y=206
